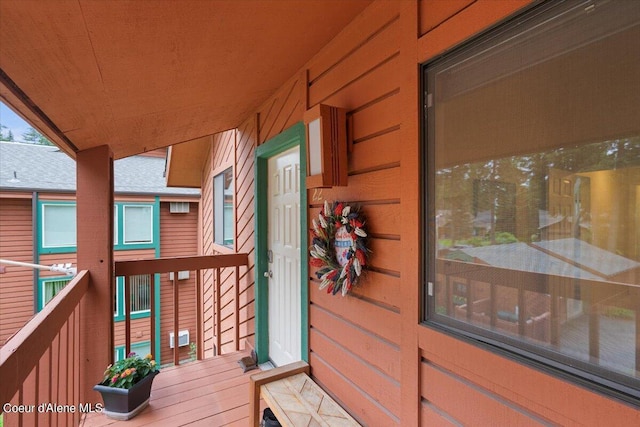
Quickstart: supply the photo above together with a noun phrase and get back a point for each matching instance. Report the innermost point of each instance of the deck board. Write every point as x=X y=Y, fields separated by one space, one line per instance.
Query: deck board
x=210 y=392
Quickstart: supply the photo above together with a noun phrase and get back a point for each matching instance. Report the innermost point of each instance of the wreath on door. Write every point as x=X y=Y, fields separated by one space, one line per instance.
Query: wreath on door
x=339 y=247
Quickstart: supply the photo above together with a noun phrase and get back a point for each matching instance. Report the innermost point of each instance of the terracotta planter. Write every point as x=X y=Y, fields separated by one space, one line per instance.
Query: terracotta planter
x=124 y=404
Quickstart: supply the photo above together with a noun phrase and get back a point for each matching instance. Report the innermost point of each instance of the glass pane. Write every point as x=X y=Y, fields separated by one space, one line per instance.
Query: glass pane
x=115 y=225
x=52 y=287
x=223 y=208
x=59 y=226
x=138 y=224
x=536 y=189
x=140 y=292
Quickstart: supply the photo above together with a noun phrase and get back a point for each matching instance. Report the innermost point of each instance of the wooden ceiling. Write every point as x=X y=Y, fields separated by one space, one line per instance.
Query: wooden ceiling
x=143 y=74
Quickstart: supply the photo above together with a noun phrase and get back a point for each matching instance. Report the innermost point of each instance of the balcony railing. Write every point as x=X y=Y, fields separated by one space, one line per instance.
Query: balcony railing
x=151 y=267
x=38 y=364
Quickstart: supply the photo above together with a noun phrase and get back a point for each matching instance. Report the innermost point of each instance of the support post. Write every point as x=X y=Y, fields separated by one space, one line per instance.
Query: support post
x=95 y=253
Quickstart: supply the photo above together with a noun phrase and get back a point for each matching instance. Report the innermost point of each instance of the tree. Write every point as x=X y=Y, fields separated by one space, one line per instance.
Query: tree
x=8 y=136
x=35 y=137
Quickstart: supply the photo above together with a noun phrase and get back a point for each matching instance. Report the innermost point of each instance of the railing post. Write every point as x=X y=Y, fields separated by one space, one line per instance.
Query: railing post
x=176 y=315
x=127 y=315
x=236 y=310
x=218 y=318
x=199 y=317
x=152 y=306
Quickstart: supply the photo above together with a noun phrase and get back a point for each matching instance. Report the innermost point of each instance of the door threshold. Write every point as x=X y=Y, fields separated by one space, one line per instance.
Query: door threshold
x=266 y=366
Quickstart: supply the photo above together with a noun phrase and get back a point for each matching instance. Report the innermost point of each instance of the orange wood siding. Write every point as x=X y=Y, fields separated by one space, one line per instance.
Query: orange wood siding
x=245 y=220
x=354 y=342
x=369 y=349
x=16 y=285
x=234 y=148
x=178 y=237
x=462 y=384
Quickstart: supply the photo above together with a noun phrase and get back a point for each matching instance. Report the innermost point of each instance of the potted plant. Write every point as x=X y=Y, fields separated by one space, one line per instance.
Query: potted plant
x=126 y=386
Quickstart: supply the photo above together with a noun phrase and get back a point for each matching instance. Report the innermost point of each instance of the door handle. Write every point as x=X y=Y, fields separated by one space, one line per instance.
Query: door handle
x=268 y=274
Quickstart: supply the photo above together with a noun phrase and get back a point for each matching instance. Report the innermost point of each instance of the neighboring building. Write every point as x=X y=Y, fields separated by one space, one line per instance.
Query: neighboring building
x=38 y=225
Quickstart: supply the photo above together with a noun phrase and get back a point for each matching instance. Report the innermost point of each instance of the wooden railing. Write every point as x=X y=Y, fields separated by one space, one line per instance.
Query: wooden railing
x=38 y=365
x=175 y=265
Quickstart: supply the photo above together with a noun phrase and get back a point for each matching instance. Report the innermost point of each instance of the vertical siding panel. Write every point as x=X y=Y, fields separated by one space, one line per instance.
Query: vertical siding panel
x=410 y=229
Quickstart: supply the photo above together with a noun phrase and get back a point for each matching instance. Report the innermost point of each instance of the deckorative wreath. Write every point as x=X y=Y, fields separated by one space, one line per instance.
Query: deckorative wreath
x=339 y=247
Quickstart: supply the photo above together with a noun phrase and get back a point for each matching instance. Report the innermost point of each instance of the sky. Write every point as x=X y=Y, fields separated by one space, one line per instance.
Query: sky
x=13 y=122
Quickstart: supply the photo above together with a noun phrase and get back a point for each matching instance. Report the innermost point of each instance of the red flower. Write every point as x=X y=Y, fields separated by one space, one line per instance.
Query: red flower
x=361 y=257
x=316 y=262
x=338 y=210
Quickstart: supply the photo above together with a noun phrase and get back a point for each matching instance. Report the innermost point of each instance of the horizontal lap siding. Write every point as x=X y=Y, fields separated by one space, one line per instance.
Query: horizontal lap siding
x=178 y=237
x=354 y=341
x=16 y=285
x=460 y=382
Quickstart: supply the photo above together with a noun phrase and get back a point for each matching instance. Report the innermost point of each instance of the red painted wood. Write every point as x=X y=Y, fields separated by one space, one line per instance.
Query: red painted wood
x=94 y=208
x=21 y=354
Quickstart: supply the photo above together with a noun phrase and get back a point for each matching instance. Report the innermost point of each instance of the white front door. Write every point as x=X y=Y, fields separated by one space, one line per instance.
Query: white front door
x=284 y=259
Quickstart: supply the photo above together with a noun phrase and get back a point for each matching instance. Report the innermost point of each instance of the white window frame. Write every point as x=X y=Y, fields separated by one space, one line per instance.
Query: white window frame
x=124 y=224
x=44 y=242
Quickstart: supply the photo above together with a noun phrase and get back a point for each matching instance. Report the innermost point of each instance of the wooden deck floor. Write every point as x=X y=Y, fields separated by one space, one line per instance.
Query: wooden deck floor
x=212 y=392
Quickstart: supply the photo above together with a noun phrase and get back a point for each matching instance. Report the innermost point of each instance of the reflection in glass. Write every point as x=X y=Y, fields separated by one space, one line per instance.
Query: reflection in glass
x=545 y=248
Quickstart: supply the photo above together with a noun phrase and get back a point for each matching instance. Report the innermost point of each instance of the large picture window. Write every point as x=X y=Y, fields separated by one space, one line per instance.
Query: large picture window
x=532 y=178
x=223 y=208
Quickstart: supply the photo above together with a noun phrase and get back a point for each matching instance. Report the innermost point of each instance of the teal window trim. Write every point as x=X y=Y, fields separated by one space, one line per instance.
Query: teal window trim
x=119 y=315
x=42 y=204
x=119 y=351
x=290 y=138
x=119 y=244
x=157 y=349
x=224 y=209
x=40 y=294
